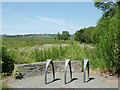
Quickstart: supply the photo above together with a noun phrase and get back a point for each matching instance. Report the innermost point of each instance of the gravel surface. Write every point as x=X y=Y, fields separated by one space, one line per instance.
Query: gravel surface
x=95 y=81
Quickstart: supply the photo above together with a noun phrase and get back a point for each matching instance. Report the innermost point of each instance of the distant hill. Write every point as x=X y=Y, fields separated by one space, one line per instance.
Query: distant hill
x=32 y=36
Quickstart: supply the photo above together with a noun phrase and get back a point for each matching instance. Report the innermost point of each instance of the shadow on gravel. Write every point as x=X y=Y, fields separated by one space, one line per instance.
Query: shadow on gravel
x=53 y=80
x=72 y=80
x=90 y=79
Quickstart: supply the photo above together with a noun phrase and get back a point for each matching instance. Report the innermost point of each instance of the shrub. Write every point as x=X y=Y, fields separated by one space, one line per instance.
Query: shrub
x=107 y=41
x=65 y=36
x=7 y=62
x=84 y=35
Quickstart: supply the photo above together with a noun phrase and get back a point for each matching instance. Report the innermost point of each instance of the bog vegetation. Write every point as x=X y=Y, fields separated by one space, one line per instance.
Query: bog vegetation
x=99 y=44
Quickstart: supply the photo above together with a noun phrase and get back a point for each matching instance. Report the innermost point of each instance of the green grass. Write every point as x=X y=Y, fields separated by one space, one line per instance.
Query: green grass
x=29 y=42
x=29 y=50
x=35 y=54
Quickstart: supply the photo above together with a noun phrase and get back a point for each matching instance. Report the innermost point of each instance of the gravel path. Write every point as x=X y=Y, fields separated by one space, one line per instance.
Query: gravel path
x=95 y=81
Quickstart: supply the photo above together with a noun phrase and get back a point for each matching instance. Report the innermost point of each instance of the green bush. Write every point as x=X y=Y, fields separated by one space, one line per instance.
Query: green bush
x=106 y=39
x=65 y=36
x=7 y=62
x=84 y=35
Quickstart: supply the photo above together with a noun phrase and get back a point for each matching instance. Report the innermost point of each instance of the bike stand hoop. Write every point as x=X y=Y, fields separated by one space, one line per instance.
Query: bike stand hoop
x=67 y=61
x=86 y=63
x=47 y=63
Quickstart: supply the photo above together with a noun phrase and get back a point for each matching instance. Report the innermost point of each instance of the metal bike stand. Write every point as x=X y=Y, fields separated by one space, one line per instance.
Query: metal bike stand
x=86 y=63
x=47 y=63
x=67 y=61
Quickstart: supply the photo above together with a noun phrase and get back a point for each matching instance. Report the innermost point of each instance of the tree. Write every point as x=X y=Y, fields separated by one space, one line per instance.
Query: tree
x=58 y=36
x=78 y=35
x=105 y=6
x=84 y=35
x=65 y=35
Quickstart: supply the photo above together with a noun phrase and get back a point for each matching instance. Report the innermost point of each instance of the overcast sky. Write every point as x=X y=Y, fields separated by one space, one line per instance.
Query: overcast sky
x=48 y=17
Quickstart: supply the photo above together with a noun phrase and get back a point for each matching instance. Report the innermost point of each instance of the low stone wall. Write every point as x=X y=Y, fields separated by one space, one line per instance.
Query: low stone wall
x=34 y=69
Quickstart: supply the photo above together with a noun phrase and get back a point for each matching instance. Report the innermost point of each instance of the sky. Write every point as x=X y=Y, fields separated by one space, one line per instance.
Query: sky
x=48 y=17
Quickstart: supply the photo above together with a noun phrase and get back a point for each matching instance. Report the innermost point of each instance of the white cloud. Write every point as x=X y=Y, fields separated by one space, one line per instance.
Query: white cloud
x=68 y=24
x=42 y=24
x=52 y=20
x=64 y=23
x=41 y=19
x=30 y=19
